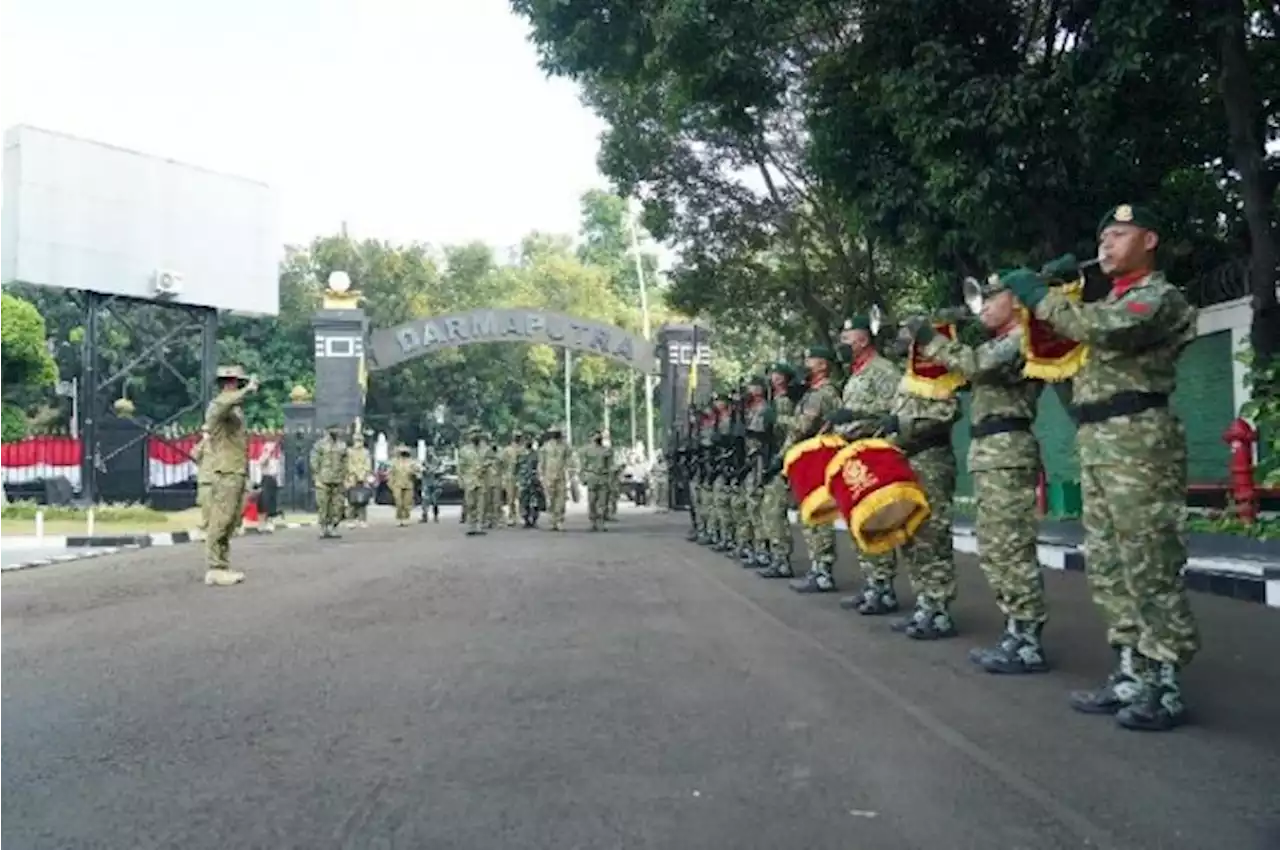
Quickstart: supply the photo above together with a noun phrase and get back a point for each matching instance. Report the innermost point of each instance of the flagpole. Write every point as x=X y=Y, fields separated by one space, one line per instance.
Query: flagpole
x=644 y=318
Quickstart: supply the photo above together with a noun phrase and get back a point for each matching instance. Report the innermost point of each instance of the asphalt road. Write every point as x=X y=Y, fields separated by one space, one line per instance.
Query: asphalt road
x=412 y=688
x=12 y=557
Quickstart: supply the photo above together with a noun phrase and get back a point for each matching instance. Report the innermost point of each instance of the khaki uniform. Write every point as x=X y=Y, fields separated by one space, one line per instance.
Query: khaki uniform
x=400 y=479
x=510 y=485
x=553 y=469
x=359 y=470
x=225 y=464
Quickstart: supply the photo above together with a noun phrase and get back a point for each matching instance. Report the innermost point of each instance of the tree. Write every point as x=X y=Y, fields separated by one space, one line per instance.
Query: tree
x=28 y=368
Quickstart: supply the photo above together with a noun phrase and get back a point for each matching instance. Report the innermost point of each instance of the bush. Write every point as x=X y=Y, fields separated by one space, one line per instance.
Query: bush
x=127 y=512
x=13 y=424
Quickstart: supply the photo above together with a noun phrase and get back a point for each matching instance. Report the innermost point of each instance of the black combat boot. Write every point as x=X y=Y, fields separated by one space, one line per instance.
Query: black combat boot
x=876 y=599
x=747 y=557
x=1120 y=688
x=1019 y=652
x=1158 y=707
x=1008 y=640
x=817 y=580
x=936 y=625
x=780 y=567
x=692 y=536
x=763 y=557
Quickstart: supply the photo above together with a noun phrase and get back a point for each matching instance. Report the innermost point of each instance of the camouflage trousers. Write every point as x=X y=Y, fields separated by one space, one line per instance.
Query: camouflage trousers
x=612 y=494
x=224 y=498
x=820 y=540
x=511 y=494
x=749 y=533
x=557 y=491
x=775 y=524
x=1133 y=521
x=473 y=505
x=722 y=501
x=331 y=503
x=1006 y=525
x=930 y=555
x=492 y=504
x=706 y=507
x=598 y=496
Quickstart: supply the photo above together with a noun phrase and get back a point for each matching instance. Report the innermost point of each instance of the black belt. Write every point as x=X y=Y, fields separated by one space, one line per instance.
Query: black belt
x=993 y=425
x=926 y=441
x=1120 y=404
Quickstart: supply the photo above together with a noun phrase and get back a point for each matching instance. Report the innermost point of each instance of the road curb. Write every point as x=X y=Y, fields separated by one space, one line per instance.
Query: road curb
x=1234 y=578
x=111 y=544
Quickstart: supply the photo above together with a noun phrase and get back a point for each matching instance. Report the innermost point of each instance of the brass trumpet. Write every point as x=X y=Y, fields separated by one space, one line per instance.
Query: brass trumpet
x=973 y=290
x=878 y=320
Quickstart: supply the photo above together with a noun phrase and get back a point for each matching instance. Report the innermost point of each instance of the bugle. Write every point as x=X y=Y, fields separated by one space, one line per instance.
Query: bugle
x=946 y=315
x=974 y=299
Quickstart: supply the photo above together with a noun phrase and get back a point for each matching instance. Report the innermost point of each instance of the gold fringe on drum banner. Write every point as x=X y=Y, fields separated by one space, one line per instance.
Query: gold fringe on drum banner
x=1050 y=357
x=877 y=492
x=927 y=377
x=804 y=466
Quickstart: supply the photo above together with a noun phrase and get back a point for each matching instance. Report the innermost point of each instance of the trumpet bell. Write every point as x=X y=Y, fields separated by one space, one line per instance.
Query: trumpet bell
x=876 y=317
x=973 y=295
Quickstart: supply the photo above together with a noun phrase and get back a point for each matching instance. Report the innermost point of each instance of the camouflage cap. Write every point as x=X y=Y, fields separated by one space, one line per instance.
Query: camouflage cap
x=226 y=373
x=1138 y=216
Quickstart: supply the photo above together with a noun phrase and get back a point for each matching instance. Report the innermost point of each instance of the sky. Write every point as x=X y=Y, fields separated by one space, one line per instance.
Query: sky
x=423 y=120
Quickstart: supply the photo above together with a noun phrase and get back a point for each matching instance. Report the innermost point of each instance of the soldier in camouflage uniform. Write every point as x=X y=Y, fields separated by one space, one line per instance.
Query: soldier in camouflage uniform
x=775 y=502
x=703 y=489
x=359 y=473
x=819 y=401
x=1133 y=470
x=492 y=468
x=721 y=491
x=432 y=466
x=614 y=481
x=597 y=466
x=868 y=392
x=225 y=463
x=921 y=427
x=507 y=467
x=404 y=469
x=1004 y=459
x=553 y=468
x=531 y=498
x=471 y=475
x=753 y=546
x=328 y=473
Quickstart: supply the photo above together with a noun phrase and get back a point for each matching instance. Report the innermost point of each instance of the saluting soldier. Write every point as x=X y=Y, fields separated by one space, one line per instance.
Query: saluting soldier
x=471 y=475
x=921 y=427
x=225 y=462
x=819 y=401
x=1133 y=467
x=404 y=469
x=328 y=473
x=1004 y=459
x=865 y=402
x=553 y=468
x=775 y=503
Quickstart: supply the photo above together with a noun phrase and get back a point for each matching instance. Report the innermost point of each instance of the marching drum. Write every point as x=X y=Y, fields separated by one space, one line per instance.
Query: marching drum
x=876 y=491
x=805 y=468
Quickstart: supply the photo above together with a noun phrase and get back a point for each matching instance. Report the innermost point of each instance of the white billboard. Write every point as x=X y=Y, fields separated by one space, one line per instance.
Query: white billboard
x=89 y=216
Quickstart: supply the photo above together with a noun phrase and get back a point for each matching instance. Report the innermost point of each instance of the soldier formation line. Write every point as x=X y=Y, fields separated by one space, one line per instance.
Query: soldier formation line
x=1118 y=355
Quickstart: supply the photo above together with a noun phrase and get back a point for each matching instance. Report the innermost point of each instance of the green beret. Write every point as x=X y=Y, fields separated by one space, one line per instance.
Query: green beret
x=720 y=396
x=856 y=323
x=1064 y=269
x=757 y=381
x=781 y=368
x=819 y=352
x=1130 y=214
x=995 y=283
x=1018 y=279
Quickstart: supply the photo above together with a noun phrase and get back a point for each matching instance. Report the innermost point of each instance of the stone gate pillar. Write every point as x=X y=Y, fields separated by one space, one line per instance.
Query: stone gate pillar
x=340 y=327
x=682 y=348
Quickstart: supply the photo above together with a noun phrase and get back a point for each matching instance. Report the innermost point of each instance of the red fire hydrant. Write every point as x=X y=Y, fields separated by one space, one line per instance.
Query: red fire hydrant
x=1241 y=436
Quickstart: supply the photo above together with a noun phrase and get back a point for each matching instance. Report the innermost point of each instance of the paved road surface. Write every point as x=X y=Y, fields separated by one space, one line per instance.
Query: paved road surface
x=11 y=558
x=416 y=689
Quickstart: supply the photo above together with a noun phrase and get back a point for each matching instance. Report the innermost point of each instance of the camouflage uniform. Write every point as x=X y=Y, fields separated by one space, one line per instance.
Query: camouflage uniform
x=328 y=472
x=491 y=462
x=507 y=468
x=753 y=545
x=203 y=479
x=431 y=468
x=705 y=488
x=597 y=468
x=553 y=467
x=614 y=483
x=819 y=400
x=400 y=481
x=721 y=495
x=225 y=462
x=531 y=497
x=471 y=475
x=1133 y=471
x=868 y=392
x=775 y=502
x=660 y=476
x=359 y=469
x=1004 y=460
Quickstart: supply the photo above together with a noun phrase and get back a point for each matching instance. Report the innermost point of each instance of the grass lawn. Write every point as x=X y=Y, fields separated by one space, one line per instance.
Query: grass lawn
x=156 y=522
